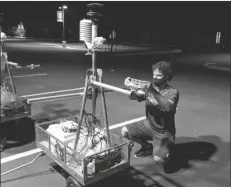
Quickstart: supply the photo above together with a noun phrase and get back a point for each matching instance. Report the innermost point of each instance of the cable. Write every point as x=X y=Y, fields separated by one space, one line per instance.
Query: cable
x=91 y=123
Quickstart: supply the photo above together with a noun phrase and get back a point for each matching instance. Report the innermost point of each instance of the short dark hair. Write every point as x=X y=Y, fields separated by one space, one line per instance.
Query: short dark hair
x=165 y=68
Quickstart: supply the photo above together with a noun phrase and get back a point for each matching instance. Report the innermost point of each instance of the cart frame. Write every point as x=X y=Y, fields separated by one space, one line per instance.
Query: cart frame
x=43 y=136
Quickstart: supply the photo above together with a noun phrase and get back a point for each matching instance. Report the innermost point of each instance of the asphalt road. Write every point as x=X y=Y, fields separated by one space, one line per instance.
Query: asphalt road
x=202 y=120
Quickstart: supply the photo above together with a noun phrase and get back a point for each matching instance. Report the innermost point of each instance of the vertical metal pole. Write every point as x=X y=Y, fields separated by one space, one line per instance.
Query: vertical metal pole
x=104 y=108
x=1 y=44
x=2 y=138
x=63 y=42
x=6 y=65
x=94 y=67
x=2 y=62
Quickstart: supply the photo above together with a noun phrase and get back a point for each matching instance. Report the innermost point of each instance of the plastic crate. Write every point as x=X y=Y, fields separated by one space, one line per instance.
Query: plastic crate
x=115 y=158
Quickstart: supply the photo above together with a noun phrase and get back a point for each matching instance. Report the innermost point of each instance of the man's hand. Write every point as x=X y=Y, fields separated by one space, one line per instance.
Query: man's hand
x=133 y=96
x=138 y=95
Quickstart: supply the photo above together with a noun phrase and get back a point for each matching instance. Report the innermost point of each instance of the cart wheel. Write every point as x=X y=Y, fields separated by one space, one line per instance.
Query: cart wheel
x=71 y=182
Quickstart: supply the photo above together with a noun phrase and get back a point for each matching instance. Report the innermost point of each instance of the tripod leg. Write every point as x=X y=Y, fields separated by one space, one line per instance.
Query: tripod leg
x=82 y=109
x=11 y=79
x=94 y=98
x=104 y=107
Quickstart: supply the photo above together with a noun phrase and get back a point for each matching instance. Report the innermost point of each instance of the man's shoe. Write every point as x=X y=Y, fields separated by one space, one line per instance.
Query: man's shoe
x=144 y=151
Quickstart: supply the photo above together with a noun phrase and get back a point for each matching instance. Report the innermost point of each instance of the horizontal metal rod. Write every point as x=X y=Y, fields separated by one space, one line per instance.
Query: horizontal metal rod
x=12 y=63
x=33 y=65
x=54 y=92
x=113 y=88
x=49 y=100
x=17 y=66
x=54 y=97
x=24 y=165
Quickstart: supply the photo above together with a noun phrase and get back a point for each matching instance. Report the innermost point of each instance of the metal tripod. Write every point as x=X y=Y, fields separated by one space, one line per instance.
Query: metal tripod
x=89 y=75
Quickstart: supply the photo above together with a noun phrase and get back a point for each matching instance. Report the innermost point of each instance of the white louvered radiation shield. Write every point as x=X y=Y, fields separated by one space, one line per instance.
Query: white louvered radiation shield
x=85 y=30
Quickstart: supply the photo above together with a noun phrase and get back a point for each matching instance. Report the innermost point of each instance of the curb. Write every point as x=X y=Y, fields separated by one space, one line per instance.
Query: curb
x=80 y=42
x=126 y=48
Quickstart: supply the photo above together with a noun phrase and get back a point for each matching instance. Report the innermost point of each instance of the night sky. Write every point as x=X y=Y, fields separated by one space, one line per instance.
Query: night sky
x=130 y=19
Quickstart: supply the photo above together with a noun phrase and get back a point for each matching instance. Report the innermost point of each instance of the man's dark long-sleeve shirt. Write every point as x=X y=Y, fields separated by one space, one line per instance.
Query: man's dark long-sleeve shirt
x=160 y=108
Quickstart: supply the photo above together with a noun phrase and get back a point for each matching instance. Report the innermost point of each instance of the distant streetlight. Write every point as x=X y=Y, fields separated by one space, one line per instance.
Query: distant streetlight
x=63 y=8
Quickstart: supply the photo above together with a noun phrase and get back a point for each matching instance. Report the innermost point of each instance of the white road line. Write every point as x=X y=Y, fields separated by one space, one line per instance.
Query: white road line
x=77 y=48
x=50 y=44
x=20 y=155
x=175 y=51
x=216 y=66
x=32 y=75
x=37 y=150
x=127 y=122
x=60 y=46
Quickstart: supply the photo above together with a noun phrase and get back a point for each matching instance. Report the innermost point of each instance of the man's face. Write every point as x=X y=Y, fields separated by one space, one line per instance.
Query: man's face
x=157 y=78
